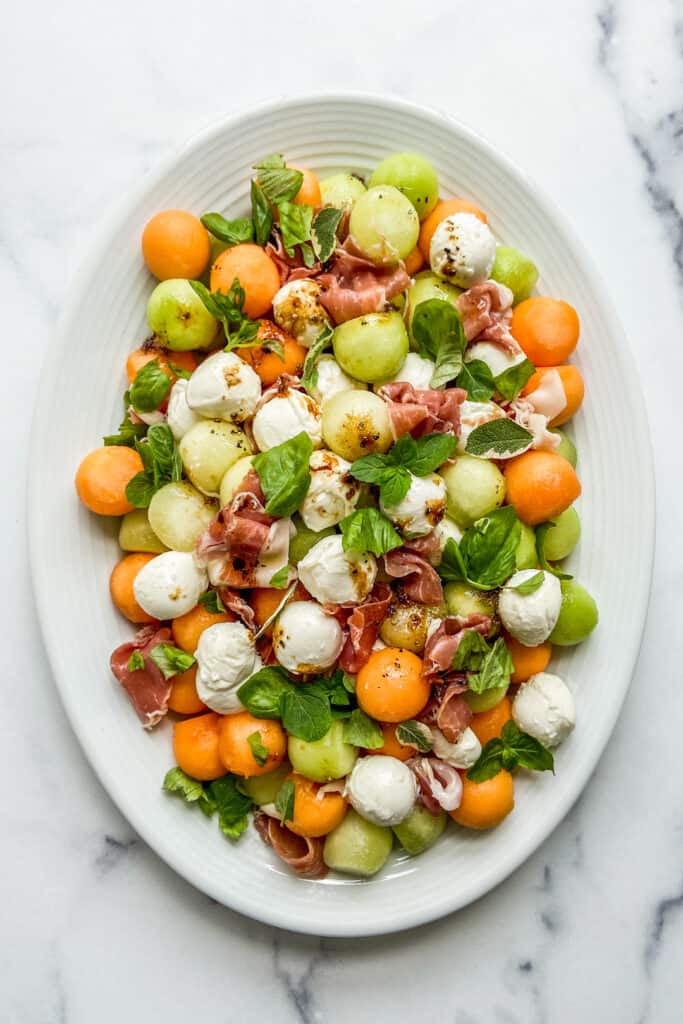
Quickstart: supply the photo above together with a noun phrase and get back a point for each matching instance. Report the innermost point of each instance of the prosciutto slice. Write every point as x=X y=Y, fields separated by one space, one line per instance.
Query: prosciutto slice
x=536 y=409
x=444 y=641
x=421 y=581
x=304 y=856
x=146 y=687
x=289 y=267
x=354 y=285
x=440 y=785
x=486 y=313
x=447 y=709
x=422 y=411
x=235 y=603
x=363 y=628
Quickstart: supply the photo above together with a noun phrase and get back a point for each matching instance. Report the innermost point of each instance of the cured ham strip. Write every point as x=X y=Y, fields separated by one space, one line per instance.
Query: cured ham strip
x=422 y=411
x=444 y=641
x=363 y=628
x=421 y=582
x=440 y=785
x=448 y=710
x=354 y=285
x=289 y=267
x=304 y=856
x=146 y=687
x=235 y=603
x=486 y=313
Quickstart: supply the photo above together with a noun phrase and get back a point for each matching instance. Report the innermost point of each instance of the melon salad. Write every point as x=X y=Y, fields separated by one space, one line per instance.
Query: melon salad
x=345 y=500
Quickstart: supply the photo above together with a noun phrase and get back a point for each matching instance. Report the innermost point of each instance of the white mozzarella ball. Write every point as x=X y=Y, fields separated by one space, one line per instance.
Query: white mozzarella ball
x=416 y=370
x=422 y=508
x=497 y=358
x=334 y=576
x=169 y=585
x=461 y=754
x=332 y=379
x=226 y=657
x=305 y=639
x=382 y=789
x=445 y=530
x=462 y=250
x=285 y=416
x=297 y=309
x=224 y=387
x=544 y=708
x=179 y=415
x=530 y=618
x=473 y=414
x=332 y=494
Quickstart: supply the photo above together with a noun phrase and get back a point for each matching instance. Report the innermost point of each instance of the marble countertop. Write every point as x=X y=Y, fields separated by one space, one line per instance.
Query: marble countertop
x=587 y=97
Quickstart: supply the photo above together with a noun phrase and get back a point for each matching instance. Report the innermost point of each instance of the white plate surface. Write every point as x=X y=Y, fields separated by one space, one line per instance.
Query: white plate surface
x=72 y=551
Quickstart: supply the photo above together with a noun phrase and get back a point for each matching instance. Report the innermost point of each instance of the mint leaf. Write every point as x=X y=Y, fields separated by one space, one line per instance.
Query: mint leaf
x=295 y=225
x=136 y=662
x=391 y=471
x=140 y=490
x=262 y=693
x=362 y=731
x=171 y=660
x=541 y=533
x=150 y=387
x=477 y=380
x=179 y=371
x=261 y=214
x=336 y=688
x=425 y=454
x=211 y=600
x=280 y=579
x=498 y=439
x=528 y=586
x=232 y=805
x=439 y=335
x=285 y=475
x=528 y=752
x=284 y=801
x=349 y=682
x=258 y=749
x=166 y=464
x=495 y=669
x=510 y=382
x=414 y=734
x=228 y=309
x=489 y=762
x=324 y=232
x=309 y=379
x=129 y=432
x=367 y=529
x=306 y=712
x=279 y=182
x=471 y=652
x=192 y=791
x=234 y=232
x=393 y=481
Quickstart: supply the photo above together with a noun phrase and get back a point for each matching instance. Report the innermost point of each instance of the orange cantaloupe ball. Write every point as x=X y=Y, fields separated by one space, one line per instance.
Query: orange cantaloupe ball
x=184 y=699
x=527 y=661
x=188 y=628
x=485 y=804
x=102 y=478
x=572 y=385
x=175 y=243
x=487 y=725
x=268 y=364
x=309 y=193
x=140 y=356
x=255 y=271
x=195 y=746
x=540 y=485
x=315 y=813
x=390 y=687
x=546 y=328
x=235 y=749
x=121 y=586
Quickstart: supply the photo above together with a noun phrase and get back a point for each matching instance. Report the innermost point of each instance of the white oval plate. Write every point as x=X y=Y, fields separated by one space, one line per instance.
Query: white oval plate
x=72 y=552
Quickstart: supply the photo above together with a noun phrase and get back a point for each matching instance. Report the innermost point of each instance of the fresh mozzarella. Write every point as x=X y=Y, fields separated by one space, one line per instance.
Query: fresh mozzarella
x=416 y=370
x=462 y=250
x=297 y=309
x=226 y=657
x=335 y=576
x=169 y=585
x=332 y=379
x=473 y=414
x=285 y=416
x=544 y=708
x=224 y=387
x=462 y=754
x=305 y=639
x=497 y=358
x=530 y=618
x=382 y=789
x=332 y=494
x=446 y=530
x=422 y=508
x=179 y=415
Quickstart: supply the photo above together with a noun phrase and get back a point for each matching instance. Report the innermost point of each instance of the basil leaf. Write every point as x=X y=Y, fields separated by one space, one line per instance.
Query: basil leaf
x=495 y=670
x=284 y=801
x=367 y=529
x=228 y=309
x=166 y=462
x=234 y=232
x=129 y=432
x=510 y=382
x=439 y=335
x=309 y=379
x=471 y=652
x=528 y=752
x=261 y=214
x=477 y=380
x=258 y=749
x=414 y=734
x=140 y=490
x=280 y=579
x=499 y=439
x=295 y=225
x=279 y=183
x=452 y=566
x=541 y=533
x=211 y=600
x=285 y=475
x=349 y=682
x=150 y=387
x=362 y=731
x=489 y=547
x=489 y=762
x=232 y=805
x=274 y=160
x=393 y=481
x=179 y=371
x=171 y=660
x=528 y=586
x=262 y=693
x=136 y=662
x=324 y=232
x=306 y=712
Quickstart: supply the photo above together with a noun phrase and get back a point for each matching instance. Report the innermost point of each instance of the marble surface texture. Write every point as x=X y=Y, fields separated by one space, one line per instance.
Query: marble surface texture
x=588 y=97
